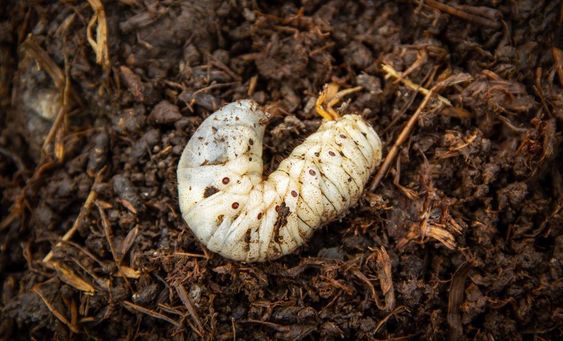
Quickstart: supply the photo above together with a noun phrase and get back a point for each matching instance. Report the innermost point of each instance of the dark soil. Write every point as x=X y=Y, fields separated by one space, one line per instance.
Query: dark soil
x=463 y=238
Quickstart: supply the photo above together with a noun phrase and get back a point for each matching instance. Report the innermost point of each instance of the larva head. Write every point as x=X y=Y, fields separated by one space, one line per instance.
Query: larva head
x=225 y=135
x=226 y=147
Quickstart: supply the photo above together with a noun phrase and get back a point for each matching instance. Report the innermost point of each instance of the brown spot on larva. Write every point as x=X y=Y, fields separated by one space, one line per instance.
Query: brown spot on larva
x=200 y=138
x=283 y=212
x=225 y=180
x=259 y=216
x=190 y=188
x=214 y=129
x=220 y=219
x=237 y=118
x=312 y=172
x=331 y=153
x=317 y=154
x=294 y=194
x=251 y=141
x=342 y=136
x=250 y=159
x=235 y=205
x=209 y=191
x=247 y=240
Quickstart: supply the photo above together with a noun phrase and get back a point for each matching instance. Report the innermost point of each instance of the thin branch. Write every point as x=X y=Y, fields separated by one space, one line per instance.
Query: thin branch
x=400 y=140
x=390 y=72
x=150 y=312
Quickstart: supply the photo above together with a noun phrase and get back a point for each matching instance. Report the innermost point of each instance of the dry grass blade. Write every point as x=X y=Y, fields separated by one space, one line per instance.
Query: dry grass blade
x=364 y=279
x=455 y=299
x=400 y=140
x=385 y=278
x=18 y=207
x=124 y=271
x=69 y=277
x=465 y=15
x=455 y=79
x=252 y=85
x=185 y=298
x=188 y=254
x=108 y=233
x=46 y=63
x=391 y=314
x=391 y=72
x=558 y=62
x=42 y=58
x=83 y=212
x=151 y=313
x=55 y=131
x=54 y=311
x=129 y=272
x=128 y=241
x=100 y=44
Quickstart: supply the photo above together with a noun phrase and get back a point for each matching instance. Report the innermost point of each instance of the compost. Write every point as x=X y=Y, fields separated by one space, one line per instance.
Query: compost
x=460 y=236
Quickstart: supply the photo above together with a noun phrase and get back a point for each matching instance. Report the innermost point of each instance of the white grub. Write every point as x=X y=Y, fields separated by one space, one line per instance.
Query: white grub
x=235 y=212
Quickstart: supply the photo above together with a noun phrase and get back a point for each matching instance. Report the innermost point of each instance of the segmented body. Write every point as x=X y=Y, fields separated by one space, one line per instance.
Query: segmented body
x=235 y=212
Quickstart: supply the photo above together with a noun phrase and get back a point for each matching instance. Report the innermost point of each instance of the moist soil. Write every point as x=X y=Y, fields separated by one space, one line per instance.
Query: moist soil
x=462 y=238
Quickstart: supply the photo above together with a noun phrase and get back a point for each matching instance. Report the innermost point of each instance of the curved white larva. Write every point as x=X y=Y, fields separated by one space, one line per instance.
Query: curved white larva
x=236 y=213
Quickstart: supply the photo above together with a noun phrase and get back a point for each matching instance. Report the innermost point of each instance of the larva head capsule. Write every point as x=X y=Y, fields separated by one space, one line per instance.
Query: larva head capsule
x=237 y=213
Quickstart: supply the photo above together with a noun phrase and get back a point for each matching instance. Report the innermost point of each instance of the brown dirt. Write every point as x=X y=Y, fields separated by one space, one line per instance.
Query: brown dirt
x=462 y=238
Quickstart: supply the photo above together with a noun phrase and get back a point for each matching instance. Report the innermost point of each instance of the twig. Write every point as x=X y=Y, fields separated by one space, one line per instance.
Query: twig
x=421 y=58
x=390 y=72
x=108 y=233
x=213 y=86
x=123 y=271
x=190 y=306
x=188 y=254
x=400 y=140
x=462 y=14
x=19 y=203
x=151 y=313
x=100 y=44
x=83 y=212
x=397 y=311
x=53 y=310
x=376 y=299
x=252 y=85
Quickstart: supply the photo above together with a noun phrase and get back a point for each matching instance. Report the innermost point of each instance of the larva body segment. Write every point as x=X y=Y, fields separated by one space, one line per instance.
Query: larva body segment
x=236 y=213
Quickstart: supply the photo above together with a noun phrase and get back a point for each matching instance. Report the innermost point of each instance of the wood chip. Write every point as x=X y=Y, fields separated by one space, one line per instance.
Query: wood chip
x=69 y=277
